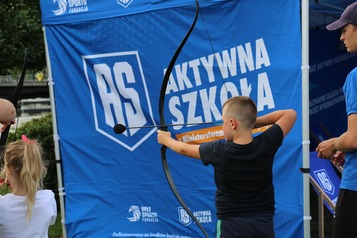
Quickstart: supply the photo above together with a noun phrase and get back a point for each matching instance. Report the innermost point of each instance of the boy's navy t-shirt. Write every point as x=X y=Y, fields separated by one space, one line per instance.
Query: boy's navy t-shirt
x=243 y=173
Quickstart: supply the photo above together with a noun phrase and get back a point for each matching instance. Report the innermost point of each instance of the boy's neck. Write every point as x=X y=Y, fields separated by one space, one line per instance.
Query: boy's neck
x=243 y=138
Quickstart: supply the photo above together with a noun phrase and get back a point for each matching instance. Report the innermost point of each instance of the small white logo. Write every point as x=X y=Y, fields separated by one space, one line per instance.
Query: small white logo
x=135 y=210
x=203 y=216
x=124 y=3
x=184 y=218
x=62 y=7
x=70 y=6
x=325 y=181
x=144 y=213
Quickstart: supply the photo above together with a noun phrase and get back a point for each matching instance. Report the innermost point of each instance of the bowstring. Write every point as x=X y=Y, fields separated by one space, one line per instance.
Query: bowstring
x=211 y=44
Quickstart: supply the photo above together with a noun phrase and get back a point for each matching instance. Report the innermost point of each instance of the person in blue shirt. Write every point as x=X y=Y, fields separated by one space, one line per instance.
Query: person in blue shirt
x=345 y=218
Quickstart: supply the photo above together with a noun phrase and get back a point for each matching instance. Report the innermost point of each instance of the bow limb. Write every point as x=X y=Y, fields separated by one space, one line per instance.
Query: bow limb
x=163 y=125
x=15 y=98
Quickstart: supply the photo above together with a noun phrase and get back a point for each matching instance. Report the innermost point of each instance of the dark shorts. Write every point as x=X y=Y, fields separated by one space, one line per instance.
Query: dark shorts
x=261 y=226
x=345 y=219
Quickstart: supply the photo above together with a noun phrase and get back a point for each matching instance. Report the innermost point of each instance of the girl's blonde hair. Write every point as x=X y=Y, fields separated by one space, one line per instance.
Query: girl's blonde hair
x=25 y=159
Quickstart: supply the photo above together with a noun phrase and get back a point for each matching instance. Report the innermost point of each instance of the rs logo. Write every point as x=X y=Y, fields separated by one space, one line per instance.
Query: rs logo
x=184 y=218
x=119 y=95
x=324 y=181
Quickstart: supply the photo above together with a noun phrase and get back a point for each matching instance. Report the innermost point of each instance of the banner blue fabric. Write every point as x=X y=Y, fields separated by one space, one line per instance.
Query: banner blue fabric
x=69 y=11
x=108 y=69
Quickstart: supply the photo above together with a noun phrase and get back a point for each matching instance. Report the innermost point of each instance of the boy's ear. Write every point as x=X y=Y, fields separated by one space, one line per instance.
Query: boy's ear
x=234 y=123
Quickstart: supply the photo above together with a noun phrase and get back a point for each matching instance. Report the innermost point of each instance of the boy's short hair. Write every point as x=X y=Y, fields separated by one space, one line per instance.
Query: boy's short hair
x=243 y=109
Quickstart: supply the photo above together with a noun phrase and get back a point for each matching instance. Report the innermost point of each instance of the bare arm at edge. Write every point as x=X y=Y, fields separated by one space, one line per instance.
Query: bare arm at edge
x=284 y=118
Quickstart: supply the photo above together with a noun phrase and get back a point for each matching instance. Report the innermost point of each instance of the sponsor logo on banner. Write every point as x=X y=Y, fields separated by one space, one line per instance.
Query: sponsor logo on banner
x=143 y=214
x=124 y=3
x=324 y=181
x=184 y=218
x=202 y=216
x=119 y=96
x=70 y=6
x=136 y=214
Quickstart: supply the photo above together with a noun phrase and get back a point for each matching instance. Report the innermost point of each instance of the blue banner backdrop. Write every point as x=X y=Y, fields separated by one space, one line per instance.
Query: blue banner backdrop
x=108 y=59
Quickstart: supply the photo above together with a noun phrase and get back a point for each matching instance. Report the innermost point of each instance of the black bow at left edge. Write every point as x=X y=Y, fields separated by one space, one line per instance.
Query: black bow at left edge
x=15 y=98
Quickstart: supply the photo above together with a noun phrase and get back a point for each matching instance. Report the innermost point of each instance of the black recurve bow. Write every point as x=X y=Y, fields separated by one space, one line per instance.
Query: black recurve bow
x=14 y=100
x=163 y=125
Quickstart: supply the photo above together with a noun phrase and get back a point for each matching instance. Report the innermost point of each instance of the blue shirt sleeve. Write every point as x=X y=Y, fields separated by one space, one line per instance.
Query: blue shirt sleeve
x=350 y=91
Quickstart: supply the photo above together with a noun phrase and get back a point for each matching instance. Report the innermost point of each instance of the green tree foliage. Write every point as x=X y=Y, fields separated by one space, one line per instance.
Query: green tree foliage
x=20 y=29
x=40 y=129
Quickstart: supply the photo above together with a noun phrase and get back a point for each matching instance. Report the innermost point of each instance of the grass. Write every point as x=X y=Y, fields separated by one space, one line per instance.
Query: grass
x=55 y=231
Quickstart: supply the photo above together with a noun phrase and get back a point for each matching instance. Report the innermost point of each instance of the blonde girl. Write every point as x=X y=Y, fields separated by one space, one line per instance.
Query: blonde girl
x=29 y=210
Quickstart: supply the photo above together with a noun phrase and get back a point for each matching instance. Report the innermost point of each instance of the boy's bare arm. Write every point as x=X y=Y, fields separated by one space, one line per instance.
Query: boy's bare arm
x=284 y=118
x=164 y=138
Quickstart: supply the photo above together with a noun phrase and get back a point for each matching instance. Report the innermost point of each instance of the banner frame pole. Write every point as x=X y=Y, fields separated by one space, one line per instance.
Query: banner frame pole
x=55 y=137
x=305 y=115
